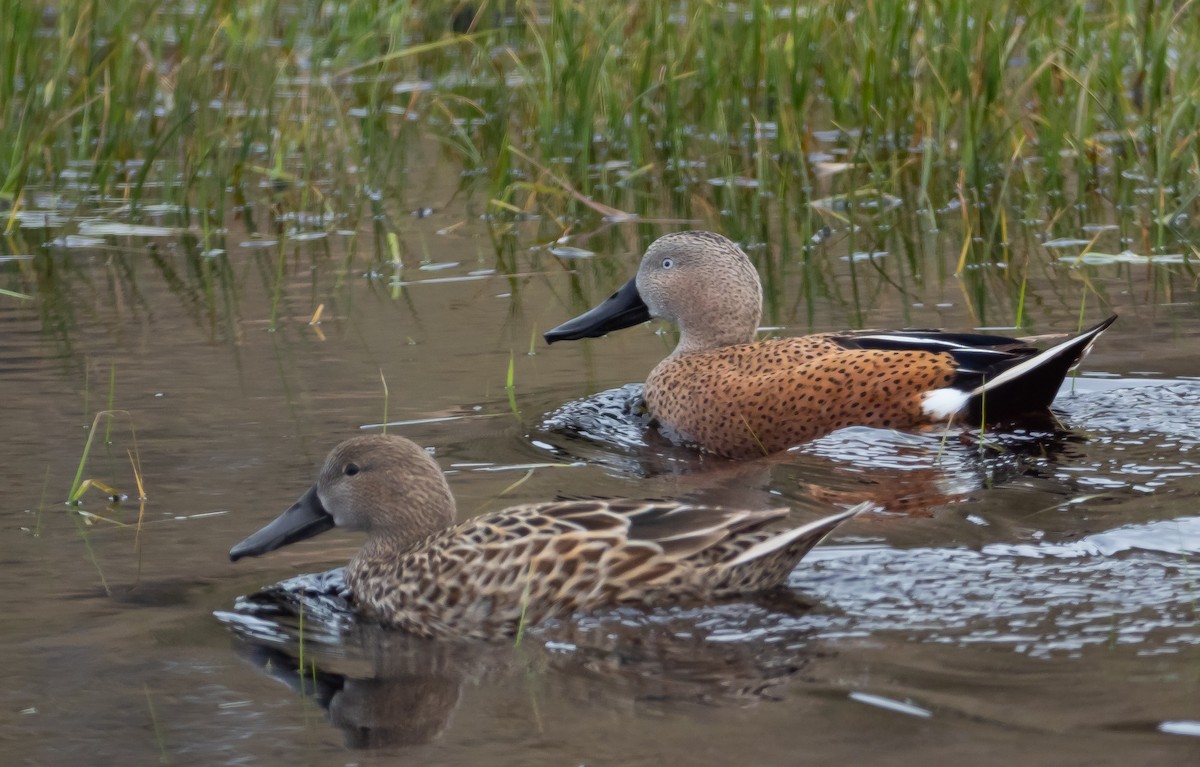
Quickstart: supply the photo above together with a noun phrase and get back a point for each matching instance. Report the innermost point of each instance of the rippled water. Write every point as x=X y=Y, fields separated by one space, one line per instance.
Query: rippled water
x=1022 y=596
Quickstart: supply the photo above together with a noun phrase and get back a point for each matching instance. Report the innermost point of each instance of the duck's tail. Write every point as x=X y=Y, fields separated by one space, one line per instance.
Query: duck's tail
x=768 y=563
x=1032 y=384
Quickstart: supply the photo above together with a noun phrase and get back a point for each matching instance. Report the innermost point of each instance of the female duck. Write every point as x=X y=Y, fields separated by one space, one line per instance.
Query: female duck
x=734 y=397
x=420 y=572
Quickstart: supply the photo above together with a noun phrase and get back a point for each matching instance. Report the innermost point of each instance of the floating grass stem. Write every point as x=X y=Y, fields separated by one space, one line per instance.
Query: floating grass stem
x=383 y=380
x=112 y=393
x=136 y=464
x=510 y=386
x=77 y=487
x=754 y=435
x=277 y=289
x=37 y=525
x=524 y=606
x=300 y=644
x=1020 y=321
x=983 y=417
x=524 y=478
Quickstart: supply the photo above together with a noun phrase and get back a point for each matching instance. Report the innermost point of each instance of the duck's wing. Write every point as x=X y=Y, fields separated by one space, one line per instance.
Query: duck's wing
x=677 y=530
x=678 y=527
x=973 y=353
x=994 y=376
x=630 y=547
x=491 y=574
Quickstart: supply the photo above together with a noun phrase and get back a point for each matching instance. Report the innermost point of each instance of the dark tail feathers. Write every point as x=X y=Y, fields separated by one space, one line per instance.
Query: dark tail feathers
x=1031 y=385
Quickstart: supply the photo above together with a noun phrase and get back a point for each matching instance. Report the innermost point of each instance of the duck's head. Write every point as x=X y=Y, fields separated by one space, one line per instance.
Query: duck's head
x=700 y=281
x=383 y=485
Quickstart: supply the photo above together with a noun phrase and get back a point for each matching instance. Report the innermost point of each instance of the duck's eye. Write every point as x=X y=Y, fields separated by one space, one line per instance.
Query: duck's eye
x=667 y=263
x=351 y=469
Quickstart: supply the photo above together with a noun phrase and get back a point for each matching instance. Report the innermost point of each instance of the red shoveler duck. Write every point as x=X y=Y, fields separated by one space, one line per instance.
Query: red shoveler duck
x=730 y=395
x=484 y=578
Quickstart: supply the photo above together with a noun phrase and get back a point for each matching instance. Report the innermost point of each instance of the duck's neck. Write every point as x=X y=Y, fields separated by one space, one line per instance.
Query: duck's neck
x=693 y=341
x=716 y=320
x=383 y=546
x=427 y=508
x=381 y=551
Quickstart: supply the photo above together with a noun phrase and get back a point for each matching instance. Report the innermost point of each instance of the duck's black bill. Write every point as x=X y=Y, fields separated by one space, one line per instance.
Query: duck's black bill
x=622 y=309
x=307 y=517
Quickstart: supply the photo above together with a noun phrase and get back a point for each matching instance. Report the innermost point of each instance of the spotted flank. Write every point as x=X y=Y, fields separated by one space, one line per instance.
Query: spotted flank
x=420 y=572
x=731 y=395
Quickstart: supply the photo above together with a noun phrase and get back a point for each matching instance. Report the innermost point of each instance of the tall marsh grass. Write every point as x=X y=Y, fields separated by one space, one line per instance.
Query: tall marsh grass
x=1009 y=122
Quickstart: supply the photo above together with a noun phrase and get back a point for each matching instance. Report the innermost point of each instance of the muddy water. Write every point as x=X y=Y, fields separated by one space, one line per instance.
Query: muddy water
x=1033 y=601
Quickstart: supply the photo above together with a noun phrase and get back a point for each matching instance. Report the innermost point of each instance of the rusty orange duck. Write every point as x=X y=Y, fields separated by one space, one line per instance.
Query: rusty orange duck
x=731 y=395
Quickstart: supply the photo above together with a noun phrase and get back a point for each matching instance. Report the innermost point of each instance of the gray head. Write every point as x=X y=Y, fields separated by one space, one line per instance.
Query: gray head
x=700 y=281
x=704 y=284
x=383 y=485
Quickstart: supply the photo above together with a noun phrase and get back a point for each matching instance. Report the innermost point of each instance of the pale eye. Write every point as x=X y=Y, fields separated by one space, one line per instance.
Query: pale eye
x=667 y=263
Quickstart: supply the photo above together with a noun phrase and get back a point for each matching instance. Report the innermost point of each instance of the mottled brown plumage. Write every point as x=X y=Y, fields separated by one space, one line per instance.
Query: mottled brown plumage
x=421 y=573
x=723 y=391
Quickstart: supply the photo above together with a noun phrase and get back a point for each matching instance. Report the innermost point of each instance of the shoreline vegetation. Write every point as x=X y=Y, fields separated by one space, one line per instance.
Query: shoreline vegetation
x=956 y=136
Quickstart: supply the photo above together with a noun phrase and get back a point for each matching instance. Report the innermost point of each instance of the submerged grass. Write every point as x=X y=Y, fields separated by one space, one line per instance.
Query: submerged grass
x=91 y=553
x=37 y=527
x=160 y=741
x=1007 y=124
x=80 y=486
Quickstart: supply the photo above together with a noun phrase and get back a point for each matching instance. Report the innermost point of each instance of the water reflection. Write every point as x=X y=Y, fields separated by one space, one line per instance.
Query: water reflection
x=612 y=426
x=396 y=691
x=1073 y=547
x=383 y=688
x=904 y=472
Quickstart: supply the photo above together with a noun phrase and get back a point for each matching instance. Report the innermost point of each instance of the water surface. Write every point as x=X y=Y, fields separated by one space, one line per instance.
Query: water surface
x=1027 y=599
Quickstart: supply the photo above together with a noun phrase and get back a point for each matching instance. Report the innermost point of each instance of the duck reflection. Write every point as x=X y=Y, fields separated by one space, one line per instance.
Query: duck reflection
x=392 y=709
x=384 y=688
x=907 y=473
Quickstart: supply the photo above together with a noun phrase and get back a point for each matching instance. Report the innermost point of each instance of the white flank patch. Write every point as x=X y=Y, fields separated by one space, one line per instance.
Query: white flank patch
x=943 y=403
